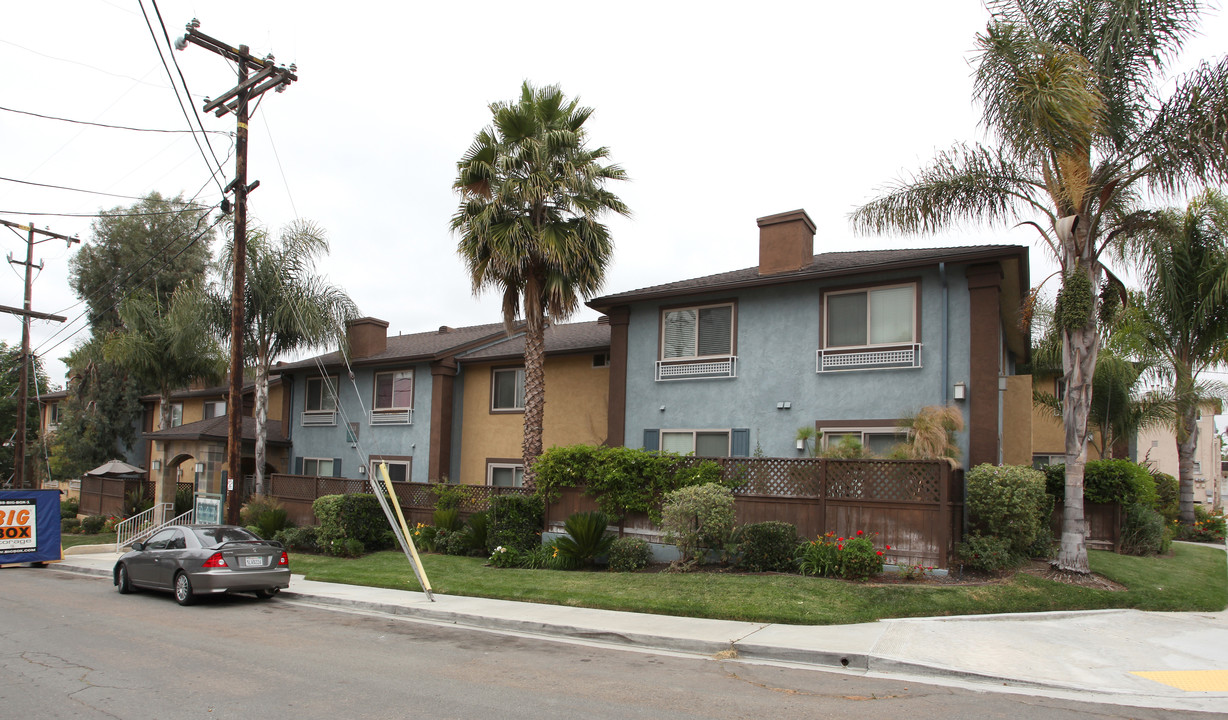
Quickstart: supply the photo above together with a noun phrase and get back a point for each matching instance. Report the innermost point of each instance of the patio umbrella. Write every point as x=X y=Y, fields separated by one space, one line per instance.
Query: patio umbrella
x=116 y=469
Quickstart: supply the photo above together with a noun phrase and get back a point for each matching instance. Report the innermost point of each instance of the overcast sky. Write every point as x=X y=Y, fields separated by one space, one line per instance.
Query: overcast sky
x=719 y=112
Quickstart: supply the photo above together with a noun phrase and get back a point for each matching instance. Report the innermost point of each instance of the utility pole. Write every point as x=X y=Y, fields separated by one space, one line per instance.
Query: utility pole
x=264 y=76
x=23 y=387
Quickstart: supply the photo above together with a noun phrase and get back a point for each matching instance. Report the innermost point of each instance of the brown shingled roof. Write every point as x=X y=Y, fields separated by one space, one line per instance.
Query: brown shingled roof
x=217 y=429
x=824 y=265
x=415 y=346
x=593 y=336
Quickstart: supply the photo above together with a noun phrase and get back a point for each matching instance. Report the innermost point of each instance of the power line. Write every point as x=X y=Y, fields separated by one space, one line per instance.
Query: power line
x=105 y=125
x=178 y=97
x=171 y=47
x=62 y=187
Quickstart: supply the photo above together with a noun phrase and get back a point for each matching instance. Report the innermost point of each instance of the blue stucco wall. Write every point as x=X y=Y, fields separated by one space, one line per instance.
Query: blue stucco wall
x=777 y=342
x=354 y=406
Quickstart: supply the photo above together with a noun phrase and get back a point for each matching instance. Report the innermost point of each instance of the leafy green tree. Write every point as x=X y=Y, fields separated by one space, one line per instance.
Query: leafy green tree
x=10 y=382
x=168 y=347
x=156 y=244
x=531 y=195
x=1073 y=95
x=98 y=418
x=287 y=307
x=1180 y=323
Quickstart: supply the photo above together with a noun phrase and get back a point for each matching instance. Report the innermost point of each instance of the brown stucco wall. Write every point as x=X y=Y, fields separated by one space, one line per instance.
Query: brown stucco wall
x=576 y=399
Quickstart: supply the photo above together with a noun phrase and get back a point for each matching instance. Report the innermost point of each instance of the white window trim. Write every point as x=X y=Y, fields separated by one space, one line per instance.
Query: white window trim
x=409 y=467
x=733 y=332
x=869 y=320
x=318 y=460
x=176 y=406
x=694 y=432
x=375 y=389
x=492 y=466
x=863 y=430
x=493 y=373
x=321 y=418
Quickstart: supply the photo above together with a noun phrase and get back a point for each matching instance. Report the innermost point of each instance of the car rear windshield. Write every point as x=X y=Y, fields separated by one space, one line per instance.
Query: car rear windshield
x=210 y=537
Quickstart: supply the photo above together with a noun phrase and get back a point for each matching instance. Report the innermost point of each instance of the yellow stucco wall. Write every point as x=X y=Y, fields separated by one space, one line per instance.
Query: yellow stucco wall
x=577 y=396
x=1017 y=416
x=1048 y=433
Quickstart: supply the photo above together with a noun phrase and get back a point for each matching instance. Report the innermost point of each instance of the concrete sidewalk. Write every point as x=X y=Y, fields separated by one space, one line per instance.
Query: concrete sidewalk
x=1124 y=657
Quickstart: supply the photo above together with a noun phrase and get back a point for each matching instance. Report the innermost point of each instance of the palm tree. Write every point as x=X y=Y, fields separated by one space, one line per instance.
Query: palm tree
x=531 y=195
x=1181 y=321
x=1070 y=91
x=287 y=308
x=166 y=347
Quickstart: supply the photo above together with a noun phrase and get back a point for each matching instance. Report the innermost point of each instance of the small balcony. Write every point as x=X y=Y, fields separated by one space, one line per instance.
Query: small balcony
x=706 y=369
x=866 y=358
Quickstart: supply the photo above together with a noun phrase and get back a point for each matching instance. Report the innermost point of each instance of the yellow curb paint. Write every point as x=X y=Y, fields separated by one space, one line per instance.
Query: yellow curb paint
x=1190 y=680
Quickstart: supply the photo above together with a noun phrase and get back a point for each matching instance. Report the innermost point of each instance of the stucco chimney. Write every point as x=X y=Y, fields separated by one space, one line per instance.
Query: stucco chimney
x=786 y=242
x=366 y=336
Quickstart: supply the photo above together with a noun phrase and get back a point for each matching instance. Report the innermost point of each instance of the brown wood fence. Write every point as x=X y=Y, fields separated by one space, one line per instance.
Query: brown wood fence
x=106 y=496
x=1103 y=524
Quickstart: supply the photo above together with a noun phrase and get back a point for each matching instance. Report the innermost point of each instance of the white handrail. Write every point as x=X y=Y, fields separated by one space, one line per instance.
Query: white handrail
x=141 y=524
x=128 y=537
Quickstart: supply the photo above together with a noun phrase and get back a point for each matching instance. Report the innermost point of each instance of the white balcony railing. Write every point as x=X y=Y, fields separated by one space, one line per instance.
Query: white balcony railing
x=392 y=417
x=718 y=367
x=898 y=356
x=318 y=418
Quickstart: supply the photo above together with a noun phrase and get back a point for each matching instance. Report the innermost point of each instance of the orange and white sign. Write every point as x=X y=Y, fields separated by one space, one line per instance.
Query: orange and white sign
x=18 y=526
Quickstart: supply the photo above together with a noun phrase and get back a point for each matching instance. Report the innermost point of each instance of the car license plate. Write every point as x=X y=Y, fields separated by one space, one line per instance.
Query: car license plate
x=253 y=562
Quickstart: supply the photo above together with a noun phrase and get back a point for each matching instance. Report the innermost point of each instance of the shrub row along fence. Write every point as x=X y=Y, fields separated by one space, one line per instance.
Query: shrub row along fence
x=915 y=506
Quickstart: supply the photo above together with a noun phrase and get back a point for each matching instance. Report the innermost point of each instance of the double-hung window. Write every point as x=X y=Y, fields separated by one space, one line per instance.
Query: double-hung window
x=870 y=328
x=394 y=398
x=703 y=443
x=507 y=390
x=320 y=402
x=176 y=414
x=697 y=342
x=214 y=408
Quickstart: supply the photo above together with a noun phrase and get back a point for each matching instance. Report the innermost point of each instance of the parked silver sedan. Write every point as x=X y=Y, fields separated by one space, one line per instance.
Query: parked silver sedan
x=192 y=560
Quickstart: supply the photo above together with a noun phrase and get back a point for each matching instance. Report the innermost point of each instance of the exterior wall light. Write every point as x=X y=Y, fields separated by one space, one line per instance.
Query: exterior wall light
x=961 y=391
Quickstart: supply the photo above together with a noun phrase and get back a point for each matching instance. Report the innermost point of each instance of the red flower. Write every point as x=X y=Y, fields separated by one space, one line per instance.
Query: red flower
x=839 y=547
x=888 y=547
x=880 y=552
x=859 y=533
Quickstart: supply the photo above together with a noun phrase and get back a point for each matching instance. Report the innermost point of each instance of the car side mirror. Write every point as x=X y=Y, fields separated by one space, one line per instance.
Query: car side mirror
x=138 y=545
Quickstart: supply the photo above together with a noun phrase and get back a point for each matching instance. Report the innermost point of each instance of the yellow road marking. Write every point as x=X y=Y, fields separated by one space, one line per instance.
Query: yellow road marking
x=1190 y=680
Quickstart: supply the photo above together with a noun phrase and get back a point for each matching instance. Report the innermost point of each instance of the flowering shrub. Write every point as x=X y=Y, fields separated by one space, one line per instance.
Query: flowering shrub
x=111 y=522
x=915 y=572
x=851 y=558
x=1207 y=527
x=423 y=536
x=505 y=557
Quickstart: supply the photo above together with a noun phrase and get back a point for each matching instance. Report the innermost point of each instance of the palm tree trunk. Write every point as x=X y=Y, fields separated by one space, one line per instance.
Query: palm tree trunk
x=164 y=410
x=1080 y=348
x=262 y=415
x=1187 y=440
x=534 y=396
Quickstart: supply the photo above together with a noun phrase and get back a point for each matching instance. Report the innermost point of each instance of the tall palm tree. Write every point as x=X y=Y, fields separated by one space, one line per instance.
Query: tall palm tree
x=287 y=308
x=531 y=195
x=166 y=347
x=1071 y=94
x=1181 y=322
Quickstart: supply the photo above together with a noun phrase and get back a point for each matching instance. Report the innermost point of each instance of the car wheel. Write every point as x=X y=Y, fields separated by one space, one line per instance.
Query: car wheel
x=268 y=593
x=122 y=581
x=183 y=589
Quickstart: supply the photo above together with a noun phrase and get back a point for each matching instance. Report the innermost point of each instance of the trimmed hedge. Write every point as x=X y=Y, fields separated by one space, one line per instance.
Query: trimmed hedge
x=351 y=524
x=767 y=546
x=1107 y=481
x=516 y=522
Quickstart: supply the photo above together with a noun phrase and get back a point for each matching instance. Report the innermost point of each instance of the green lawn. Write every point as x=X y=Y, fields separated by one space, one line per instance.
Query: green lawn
x=1193 y=578
x=69 y=540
